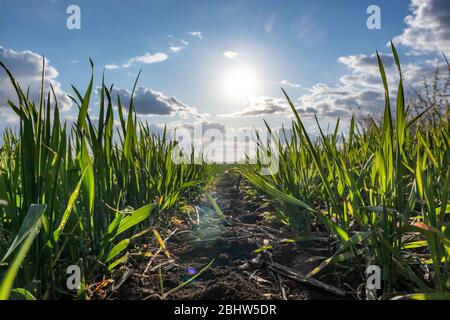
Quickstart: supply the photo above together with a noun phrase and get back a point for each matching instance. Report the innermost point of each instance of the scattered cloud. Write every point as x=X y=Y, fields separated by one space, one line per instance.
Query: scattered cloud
x=111 y=67
x=9 y=118
x=267 y=106
x=230 y=54
x=147 y=59
x=149 y=102
x=359 y=89
x=362 y=88
x=177 y=45
x=428 y=27
x=361 y=62
x=176 y=48
x=261 y=106
x=287 y=83
x=26 y=67
x=196 y=34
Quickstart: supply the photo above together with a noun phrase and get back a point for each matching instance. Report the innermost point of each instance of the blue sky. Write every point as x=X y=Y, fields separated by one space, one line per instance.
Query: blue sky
x=320 y=51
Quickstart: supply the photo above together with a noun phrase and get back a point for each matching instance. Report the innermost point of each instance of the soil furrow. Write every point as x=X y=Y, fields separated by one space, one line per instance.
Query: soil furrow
x=237 y=271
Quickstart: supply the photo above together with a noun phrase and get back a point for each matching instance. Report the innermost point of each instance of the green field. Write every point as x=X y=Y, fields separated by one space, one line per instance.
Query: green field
x=91 y=193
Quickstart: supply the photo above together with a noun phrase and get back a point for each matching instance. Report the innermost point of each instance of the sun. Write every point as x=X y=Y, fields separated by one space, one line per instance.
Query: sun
x=239 y=82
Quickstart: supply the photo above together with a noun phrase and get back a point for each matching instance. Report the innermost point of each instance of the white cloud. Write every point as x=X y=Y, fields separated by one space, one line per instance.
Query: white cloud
x=176 y=48
x=149 y=102
x=287 y=83
x=26 y=67
x=267 y=106
x=196 y=34
x=428 y=27
x=147 y=59
x=178 y=45
x=9 y=117
x=230 y=54
x=261 y=106
x=361 y=87
x=111 y=67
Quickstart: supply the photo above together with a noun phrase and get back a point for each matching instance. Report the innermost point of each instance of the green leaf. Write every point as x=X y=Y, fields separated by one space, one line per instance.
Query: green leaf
x=32 y=219
x=27 y=233
x=88 y=172
x=185 y=283
x=117 y=249
x=216 y=207
x=131 y=220
x=69 y=208
x=81 y=122
x=273 y=191
x=424 y=296
x=23 y=293
x=263 y=249
x=118 y=261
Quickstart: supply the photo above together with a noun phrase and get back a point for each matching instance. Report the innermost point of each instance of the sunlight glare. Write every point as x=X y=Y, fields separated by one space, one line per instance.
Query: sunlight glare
x=239 y=82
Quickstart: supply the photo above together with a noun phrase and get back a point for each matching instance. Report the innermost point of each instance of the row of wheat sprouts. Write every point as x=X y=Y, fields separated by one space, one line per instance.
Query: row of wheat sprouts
x=382 y=191
x=79 y=195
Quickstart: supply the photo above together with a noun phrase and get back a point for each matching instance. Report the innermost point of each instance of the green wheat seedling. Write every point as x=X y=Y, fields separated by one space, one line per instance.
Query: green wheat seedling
x=382 y=191
x=101 y=186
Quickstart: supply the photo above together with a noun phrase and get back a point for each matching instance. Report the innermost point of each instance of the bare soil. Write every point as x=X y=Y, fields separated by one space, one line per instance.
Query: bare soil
x=200 y=235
